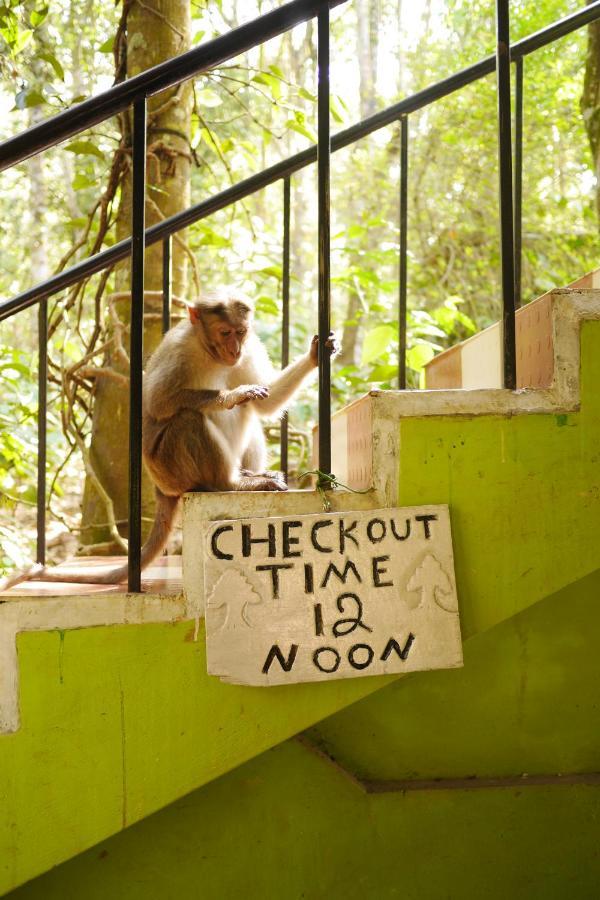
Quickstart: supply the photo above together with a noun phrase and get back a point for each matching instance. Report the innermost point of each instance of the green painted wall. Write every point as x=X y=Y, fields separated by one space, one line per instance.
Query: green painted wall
x=527 y=700
x=524 y=496
x=286 y=826
x=118 y=722
x=289 y=824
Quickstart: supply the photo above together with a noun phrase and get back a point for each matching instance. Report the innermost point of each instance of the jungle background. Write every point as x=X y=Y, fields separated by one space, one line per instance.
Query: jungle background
x=66 y=203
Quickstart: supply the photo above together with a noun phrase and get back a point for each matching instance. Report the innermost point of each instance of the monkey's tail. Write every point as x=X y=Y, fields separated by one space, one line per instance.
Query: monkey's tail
x=166 y=507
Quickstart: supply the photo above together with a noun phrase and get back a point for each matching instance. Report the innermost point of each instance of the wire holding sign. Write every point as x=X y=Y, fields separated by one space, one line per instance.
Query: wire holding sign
x=336 y=595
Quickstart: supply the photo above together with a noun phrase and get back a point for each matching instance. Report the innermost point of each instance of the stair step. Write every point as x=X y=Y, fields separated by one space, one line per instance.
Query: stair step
x=477 y=362
x=163 y=577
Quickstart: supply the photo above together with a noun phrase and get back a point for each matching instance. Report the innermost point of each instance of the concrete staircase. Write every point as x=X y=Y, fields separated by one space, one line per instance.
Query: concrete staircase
x=477 y=362
x=107 y=710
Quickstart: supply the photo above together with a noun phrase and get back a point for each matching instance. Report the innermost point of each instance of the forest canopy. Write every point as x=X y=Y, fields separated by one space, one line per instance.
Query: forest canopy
x=230 y=123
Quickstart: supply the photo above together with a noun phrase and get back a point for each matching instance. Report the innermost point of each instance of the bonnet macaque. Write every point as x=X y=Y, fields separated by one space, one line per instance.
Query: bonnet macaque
x=204 y=390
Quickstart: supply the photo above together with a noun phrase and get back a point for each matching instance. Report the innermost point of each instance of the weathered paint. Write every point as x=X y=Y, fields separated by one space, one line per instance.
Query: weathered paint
x=289 y=824
x=570 y=308
x=58 y=614
x=285 y=825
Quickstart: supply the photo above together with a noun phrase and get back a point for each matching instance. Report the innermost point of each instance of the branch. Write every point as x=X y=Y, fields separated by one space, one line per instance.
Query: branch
x=104 y=372
x=181 y=243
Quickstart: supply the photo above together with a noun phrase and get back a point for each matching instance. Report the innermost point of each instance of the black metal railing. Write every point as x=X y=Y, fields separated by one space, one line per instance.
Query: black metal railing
x=136 y=90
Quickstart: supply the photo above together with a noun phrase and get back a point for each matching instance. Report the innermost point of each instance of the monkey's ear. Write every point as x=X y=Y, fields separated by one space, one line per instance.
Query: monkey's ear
x=194 y=314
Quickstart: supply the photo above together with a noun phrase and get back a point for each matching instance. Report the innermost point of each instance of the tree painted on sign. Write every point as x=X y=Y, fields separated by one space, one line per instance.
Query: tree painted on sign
x=233 y=602
x=434 y=585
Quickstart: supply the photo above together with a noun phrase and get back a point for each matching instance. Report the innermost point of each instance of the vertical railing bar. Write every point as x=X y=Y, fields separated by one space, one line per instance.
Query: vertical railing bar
x=403 y=225
x=285 y=317
x=323 y=161
x=507 y=246
x=137 y=342
x=518 y=178
x=166 y=284
x=42 y=425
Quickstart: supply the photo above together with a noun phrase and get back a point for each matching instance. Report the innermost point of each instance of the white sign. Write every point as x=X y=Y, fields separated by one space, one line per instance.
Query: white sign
x=334 y=595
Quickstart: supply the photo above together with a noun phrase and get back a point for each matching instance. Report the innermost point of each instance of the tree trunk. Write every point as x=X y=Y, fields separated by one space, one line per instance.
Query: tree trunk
x=155 y=31
x=367 y=44
x=364 y=35
x=590 y=101
x=38 y=202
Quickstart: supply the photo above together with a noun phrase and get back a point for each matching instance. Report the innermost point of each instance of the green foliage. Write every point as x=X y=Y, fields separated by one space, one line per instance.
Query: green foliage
x=14 y=32
x=18 y=418
x=18 y=444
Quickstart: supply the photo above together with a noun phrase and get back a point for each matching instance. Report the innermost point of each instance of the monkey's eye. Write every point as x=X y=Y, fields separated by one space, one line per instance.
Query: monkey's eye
x=241 y=331
x=226 y=334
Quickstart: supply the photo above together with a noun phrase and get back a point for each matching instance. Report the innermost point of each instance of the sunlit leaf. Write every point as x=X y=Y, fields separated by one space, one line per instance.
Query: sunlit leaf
x=38 y=15
x=294 y=125
x=107 y=46
x=50 y=58
x=267 y=306
x=81 y=181
x=208 y=98
x=21 y=41
x=419 y=355
x=383 y=373
x=355 y=231
x=377 y=341
x=214 y=239
x=85 y=148
x=274 y=271
x=338 y=109
x=431 y=330
x=269 y=81
x=34 y=98
x=13 y=369
x=307 y=95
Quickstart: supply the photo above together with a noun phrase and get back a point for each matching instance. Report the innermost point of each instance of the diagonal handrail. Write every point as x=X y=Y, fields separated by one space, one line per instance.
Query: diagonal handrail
x=165 y=75
x=286 y=167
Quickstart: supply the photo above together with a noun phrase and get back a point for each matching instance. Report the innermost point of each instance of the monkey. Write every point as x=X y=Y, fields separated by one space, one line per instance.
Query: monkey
x=205 y=389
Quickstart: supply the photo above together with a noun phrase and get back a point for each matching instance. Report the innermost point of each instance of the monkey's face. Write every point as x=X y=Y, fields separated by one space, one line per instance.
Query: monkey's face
x=224 y=326
x=226 y=340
